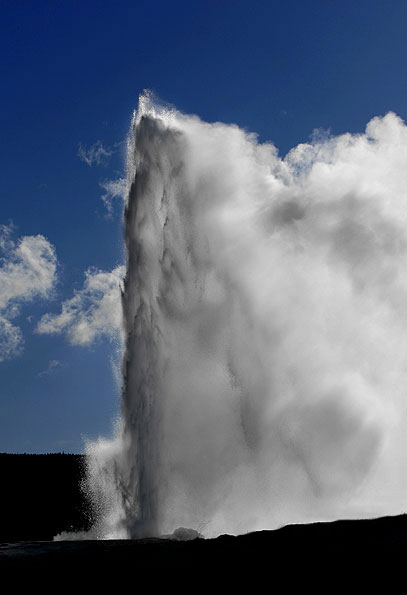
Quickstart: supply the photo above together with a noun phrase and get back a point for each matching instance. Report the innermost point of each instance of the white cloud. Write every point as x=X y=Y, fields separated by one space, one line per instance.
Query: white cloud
x=53 y=365
x=96 y=154
x=113 y=189
x=28 y=271
x=93 y=311
x=11 y=340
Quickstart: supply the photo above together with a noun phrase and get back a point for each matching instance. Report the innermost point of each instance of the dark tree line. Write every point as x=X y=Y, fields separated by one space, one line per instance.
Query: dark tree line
x=41 y=496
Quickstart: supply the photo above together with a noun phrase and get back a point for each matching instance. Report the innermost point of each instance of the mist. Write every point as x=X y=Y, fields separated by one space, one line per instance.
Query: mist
x=264 y=323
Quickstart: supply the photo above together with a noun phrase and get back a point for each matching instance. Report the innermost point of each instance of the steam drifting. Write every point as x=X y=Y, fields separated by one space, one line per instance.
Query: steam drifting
x=264 y=312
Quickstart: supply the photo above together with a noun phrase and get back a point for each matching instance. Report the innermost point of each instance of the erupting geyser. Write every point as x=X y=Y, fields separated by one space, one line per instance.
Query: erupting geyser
x=264 y=316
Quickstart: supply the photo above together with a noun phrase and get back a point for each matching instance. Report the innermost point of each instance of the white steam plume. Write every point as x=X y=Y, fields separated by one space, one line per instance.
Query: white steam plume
x=265 y=316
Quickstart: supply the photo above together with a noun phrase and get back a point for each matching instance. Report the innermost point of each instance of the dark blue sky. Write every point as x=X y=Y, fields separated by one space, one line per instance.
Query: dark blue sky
x=71 y=73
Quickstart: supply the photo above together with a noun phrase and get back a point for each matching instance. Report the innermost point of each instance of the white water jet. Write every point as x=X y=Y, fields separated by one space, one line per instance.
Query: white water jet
x=264 y=314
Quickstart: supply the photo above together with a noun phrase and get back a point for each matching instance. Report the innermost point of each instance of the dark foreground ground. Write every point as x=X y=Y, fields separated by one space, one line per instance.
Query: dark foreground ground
x=369 y=550
x=41 y=496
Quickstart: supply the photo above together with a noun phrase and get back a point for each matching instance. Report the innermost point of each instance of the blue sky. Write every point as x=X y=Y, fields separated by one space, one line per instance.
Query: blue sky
x=71 y=74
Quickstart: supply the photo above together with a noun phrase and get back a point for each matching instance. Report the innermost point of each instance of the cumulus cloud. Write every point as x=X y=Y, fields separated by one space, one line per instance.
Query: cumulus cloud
x=96 y=154
x=93 y=311
x=11 y=340
x=28 y=271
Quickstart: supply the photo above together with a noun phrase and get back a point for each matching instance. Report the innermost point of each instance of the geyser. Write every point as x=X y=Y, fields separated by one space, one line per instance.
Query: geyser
x=264 y=330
